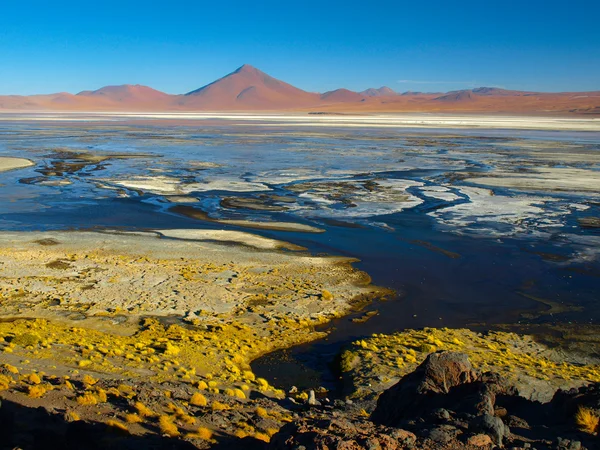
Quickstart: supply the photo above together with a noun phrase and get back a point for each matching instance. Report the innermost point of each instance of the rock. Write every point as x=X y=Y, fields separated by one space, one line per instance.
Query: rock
x=492 y=426
x=404 y=438
x=312 y=399
x=439 y=373
x=480 y=440
x=342 y=434
x=517 y=422
x=440 y=414
x=442 y=434
x=566 y=444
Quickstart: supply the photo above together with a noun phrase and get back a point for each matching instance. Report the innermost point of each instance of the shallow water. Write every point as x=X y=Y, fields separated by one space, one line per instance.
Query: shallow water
x=394 y=198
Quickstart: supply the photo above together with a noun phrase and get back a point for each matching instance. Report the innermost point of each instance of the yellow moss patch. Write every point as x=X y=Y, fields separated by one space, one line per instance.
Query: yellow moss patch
x=11 y=369
x=204 y=433
x=143 y=410
x=198 y=399
x=34 y=378
x=116 y=424
x=587 y=420
x=87 y=399
x=261 y=412
x=262 y=437
x=73 y=416
x=326 y=295
x=133 y=418
x=166 y=425
x=218 y=406
x=36 y=391
x=89 y=380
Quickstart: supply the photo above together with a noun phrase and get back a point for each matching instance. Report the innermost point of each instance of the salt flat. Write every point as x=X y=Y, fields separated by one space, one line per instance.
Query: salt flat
x=458 y=121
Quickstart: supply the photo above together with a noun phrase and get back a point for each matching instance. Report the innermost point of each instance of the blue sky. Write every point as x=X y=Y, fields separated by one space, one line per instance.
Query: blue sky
x=51 y=46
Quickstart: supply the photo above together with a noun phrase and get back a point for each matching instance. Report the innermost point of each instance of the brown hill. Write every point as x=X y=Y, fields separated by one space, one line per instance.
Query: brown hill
x=342 y=96
x=128 y=93
x=244 y=89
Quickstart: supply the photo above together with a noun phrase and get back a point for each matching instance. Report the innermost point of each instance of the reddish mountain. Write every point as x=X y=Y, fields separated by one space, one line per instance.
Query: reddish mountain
x=381 y=92
x=342 y=95
x=247 y=88
x=128 y=93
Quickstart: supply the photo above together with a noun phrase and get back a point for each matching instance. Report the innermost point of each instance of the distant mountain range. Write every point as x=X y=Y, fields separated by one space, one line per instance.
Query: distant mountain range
x=249 y=89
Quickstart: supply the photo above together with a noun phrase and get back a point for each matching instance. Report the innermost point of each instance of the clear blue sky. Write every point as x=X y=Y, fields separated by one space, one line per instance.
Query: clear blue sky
x=50 y=46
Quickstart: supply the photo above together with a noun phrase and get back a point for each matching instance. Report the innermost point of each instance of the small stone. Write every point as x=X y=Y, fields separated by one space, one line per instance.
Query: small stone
x=441 y=414
x=405 y=438
x=492 y=426
x=442 y=434
x=312 y=399
x=372 y=444
x=480 y=440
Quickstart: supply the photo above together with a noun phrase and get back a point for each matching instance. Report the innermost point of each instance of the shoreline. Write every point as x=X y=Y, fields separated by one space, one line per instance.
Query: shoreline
x=459 y=121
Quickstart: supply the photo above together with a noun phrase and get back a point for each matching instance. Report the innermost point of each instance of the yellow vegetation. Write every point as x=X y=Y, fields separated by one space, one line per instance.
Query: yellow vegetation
x=87 y=399
x=133 y=418
x=5 y=382
x=218 y=406
x=204 y=433
x=89 y=380
x=198 y=399
x=261 y=412
x=262 y=437
x=167 y=426
x=587 y=420
x=326 y=295
x=143 y=410
x=34 y=378
x=73 y=416
x=116 y=424
x=11 y=369
x=36 y=391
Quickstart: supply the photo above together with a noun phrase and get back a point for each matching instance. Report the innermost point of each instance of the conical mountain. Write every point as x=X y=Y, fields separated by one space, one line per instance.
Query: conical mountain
x=248 y=88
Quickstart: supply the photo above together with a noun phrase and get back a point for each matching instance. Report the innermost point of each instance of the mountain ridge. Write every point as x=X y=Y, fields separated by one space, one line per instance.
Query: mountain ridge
x=250 y=89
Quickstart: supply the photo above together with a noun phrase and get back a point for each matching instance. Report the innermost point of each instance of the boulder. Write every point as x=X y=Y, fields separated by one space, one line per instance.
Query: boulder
x=416 y=392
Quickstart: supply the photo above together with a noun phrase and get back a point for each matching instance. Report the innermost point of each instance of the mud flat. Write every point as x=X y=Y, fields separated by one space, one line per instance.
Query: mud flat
x=9 y=163
x=544 y=179
x=166 y=185
x=270 y=225
x=48 y=274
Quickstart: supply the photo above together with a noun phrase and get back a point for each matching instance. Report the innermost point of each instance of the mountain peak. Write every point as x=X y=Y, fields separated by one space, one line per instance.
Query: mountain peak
x=246 y=68
x=382 y=91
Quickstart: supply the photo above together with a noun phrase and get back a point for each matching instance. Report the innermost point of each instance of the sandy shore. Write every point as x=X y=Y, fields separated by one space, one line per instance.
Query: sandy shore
x=8 y=163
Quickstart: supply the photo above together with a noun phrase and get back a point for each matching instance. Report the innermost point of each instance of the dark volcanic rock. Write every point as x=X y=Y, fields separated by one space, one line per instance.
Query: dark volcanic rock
x=417 y=392
x=315 y=434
